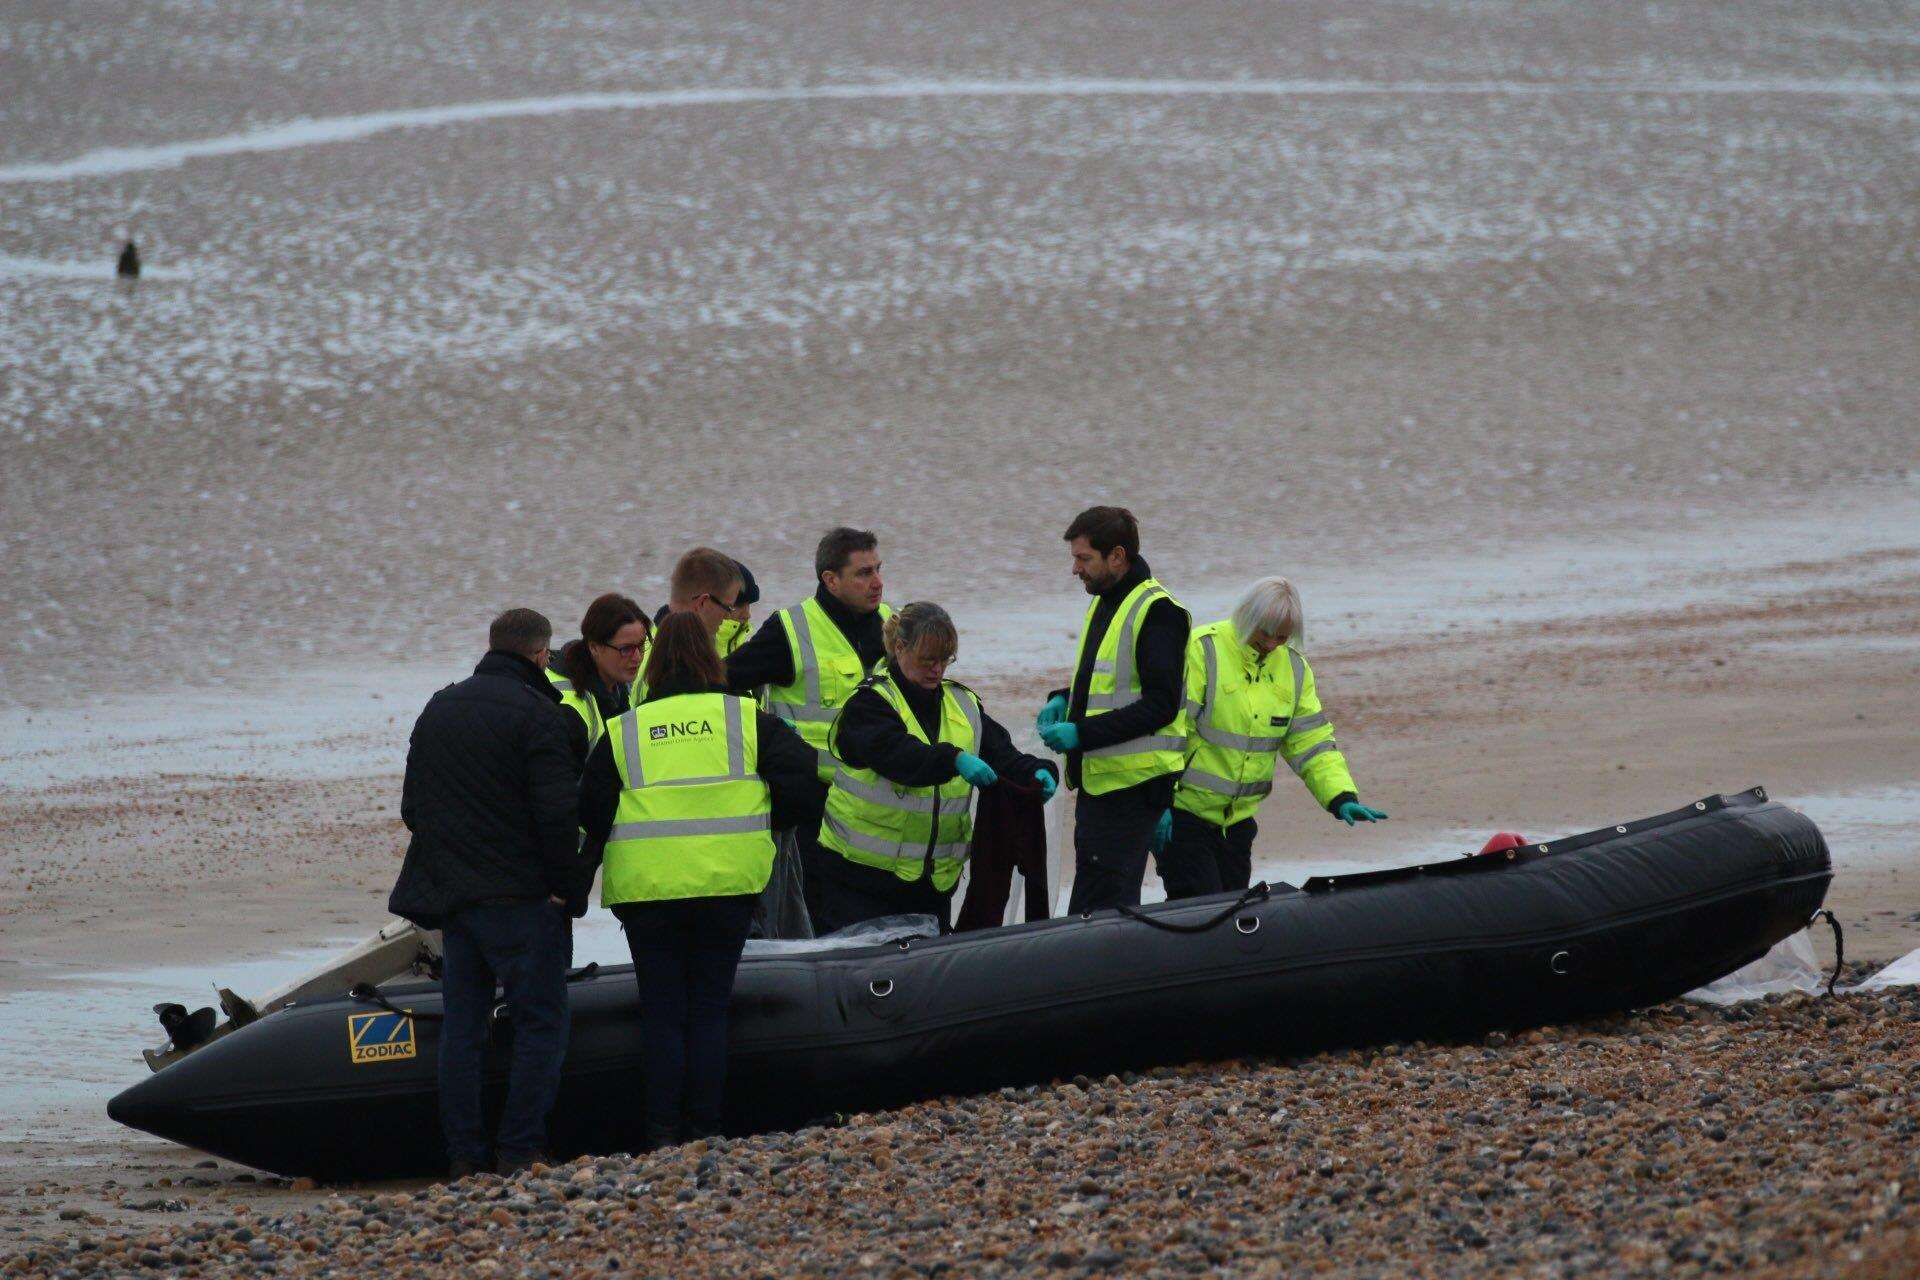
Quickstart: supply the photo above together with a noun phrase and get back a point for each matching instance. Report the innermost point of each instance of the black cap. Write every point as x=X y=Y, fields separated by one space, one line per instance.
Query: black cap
x=749 y=589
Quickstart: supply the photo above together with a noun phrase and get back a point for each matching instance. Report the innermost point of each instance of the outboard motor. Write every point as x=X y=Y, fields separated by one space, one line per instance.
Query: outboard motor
x=186 y=1030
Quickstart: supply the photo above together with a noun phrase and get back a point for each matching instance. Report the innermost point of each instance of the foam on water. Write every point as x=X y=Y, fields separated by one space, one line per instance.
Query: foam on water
x=351 y=128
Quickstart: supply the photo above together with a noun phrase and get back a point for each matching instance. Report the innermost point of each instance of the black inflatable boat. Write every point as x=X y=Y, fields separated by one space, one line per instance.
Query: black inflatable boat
x=1627 y=916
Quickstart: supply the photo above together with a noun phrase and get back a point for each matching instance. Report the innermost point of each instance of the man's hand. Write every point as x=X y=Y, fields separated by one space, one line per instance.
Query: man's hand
x=1053 y=713
x=1061 y=737
x=1352 y=811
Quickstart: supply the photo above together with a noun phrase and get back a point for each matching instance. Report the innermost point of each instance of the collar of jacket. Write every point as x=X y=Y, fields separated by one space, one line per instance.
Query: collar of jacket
x=844 y=618
x=499 y=662
x=1137 y=573
x=674 y=688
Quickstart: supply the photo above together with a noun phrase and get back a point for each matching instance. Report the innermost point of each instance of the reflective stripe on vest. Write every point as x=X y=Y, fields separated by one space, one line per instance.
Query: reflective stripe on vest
x=693 y=816
x=584 y=705
x=876 y=823
x=1114 y=682
x=812 y=701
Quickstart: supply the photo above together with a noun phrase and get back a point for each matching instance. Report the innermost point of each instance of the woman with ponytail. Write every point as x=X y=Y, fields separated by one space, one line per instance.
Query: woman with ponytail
x=680 y=801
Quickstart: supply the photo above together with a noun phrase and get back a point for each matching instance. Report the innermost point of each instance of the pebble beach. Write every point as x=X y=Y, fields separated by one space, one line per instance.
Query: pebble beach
x=1775 y=1138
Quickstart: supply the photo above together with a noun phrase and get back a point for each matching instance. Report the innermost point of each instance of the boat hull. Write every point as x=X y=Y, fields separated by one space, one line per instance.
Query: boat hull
x=1611 y=920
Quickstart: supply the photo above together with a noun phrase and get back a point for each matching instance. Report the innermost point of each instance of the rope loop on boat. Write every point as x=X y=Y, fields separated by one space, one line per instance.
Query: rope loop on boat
x=1839 y=945
x=1258 y=893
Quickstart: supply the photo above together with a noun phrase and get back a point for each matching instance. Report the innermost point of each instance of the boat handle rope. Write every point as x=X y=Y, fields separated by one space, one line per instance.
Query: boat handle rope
x=1258 y=893
x=1839 y=944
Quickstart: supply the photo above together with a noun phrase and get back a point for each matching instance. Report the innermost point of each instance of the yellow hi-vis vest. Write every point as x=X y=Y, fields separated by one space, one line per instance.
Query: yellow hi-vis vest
x=1115 y=684
x=1245 y=714
x=877 y=823
x=694 y=813
x=583 y=705
x=826 y=672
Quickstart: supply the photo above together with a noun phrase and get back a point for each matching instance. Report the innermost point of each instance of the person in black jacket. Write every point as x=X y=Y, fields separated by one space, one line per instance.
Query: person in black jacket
x=870 y=734
x=494 y=864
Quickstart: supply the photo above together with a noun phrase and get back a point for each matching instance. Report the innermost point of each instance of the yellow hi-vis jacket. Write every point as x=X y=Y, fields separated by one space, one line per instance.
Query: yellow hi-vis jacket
x=877 y=823
x=693 y=816
x=1246 y=713
x=1116 y=683
x=582 y=704
x=826 y=672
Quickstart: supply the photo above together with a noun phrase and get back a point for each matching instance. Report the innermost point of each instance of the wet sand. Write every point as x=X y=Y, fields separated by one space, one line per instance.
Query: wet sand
x=1567 y=360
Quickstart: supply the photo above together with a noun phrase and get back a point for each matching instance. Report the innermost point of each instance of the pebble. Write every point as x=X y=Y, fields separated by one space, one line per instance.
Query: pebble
x=1678 y=1141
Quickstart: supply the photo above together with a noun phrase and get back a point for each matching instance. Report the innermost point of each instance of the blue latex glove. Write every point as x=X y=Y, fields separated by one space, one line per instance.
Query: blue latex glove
x=1053 y=713
x=1352 y=811
x=1162 y=832
x=976 y=771
x=1047 y=785
x=1061 y=737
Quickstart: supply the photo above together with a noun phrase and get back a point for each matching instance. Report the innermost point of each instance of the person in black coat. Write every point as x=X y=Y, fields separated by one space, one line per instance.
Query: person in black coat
x=494 y=864
x=869 y=734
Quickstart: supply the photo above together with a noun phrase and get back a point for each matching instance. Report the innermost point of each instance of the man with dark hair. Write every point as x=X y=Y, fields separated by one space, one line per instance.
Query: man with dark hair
x=1120 y=724
x=494 y=864
x=811 y=657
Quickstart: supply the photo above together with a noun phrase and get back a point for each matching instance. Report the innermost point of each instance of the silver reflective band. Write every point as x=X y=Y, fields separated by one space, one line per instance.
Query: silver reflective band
x=809 y=665
x=1238 y=741
x=1299 y=763
x=1193 y=708
x=1304 y=723
x=917 y=852
x=1222 y=786
x=561 y=683
x=630 y=738
x=884 y=794
x=736 y=745
x=1132 y=746
x=792 y=712
x=661 y=828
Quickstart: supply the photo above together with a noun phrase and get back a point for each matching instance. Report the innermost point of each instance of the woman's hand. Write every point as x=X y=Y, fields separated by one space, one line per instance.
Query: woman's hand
x=1053 y=713
x=1047 y=785
x=1352 y=811
x=976 y=772
x=1062 y=737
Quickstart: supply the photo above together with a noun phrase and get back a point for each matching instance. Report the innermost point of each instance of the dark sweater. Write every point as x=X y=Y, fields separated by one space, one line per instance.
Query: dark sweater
x=786 y=763
x=1160 y=655
x=869 y=735
x=767 y=659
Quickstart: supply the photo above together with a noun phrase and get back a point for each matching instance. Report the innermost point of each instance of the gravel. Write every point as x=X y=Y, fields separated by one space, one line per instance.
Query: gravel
x=1775 y=1139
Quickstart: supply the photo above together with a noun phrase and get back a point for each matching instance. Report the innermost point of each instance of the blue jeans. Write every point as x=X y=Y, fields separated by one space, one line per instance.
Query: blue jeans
x=685 y=953
x=526 y=947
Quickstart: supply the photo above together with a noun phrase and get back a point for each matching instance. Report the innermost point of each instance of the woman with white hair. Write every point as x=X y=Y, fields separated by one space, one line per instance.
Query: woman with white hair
x=1250 y=703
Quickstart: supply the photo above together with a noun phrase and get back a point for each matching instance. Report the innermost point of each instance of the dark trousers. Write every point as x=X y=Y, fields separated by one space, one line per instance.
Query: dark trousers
x=1201 y=858
x=526 y=947
x=685 y=954
x=1111 y=834
x=848 y=893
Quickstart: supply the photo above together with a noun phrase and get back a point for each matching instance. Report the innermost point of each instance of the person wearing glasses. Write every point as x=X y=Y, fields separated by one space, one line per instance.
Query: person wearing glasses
x=910 y=747
x=811 y=657
x=679 y=802
x=595 y=674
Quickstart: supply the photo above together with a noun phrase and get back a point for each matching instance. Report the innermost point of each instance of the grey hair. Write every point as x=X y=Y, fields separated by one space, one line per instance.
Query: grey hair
x=1272 y=607
x=920 y=626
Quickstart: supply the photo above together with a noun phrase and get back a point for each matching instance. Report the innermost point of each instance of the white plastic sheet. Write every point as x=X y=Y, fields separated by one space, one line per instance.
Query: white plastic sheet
x=1793 y=966
x=867 y=933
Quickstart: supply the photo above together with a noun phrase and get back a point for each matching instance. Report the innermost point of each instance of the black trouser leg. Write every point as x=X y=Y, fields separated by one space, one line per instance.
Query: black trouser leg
x=1111 y=833
x=1191 y=863
x=849 y=893
x=1236 y=854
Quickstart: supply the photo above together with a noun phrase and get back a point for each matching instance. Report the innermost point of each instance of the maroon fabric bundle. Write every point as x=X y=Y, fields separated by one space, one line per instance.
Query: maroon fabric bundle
x=1009 y=834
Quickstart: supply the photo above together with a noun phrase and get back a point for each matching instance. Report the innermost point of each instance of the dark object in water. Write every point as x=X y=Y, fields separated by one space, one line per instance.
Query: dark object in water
x=187 y=1031
x=1618 y=918
x=128 y=267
